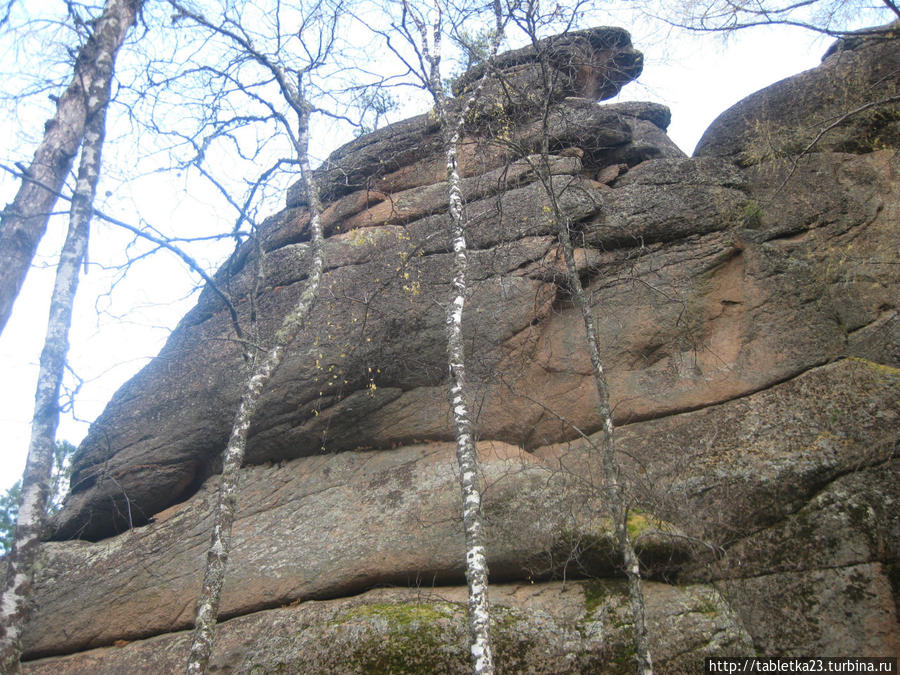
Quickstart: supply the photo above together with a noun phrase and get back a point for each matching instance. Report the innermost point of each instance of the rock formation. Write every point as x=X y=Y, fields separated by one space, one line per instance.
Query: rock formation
x=746 y=301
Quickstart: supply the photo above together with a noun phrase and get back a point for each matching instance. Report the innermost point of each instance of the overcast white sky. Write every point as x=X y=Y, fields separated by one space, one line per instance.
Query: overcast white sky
x=697 y=78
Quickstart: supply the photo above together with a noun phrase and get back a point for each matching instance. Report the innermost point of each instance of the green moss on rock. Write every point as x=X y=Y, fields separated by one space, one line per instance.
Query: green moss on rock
x=413 y=638
x=398 y=614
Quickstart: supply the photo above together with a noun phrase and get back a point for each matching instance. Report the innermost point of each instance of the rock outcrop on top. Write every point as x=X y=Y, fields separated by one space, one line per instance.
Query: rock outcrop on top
x=850 y=104
x=746 y=304
x=375 y=349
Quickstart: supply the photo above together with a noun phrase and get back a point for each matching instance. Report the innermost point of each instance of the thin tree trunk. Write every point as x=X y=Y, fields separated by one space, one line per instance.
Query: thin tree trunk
x=618 y=502
x=481 y=652
x=291 y=87
x=466 y=453
x=609 y=461
x=24 y=220
x=220 y=544
x=36 y=480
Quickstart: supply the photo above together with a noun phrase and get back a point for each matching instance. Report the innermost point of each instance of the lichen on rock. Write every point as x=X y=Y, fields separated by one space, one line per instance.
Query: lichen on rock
x=746 y=305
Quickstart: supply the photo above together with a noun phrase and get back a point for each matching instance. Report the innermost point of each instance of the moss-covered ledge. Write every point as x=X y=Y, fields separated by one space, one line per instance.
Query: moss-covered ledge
x=580 y=627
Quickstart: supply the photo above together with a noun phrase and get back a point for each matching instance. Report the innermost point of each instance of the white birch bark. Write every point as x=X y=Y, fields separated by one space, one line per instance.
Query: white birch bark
x=618 y=504
x=24 y=220
x=262 y=370
x=613 y=488
x=220 y=544
x=480 y=650
x=36 y=480
x=466 y=453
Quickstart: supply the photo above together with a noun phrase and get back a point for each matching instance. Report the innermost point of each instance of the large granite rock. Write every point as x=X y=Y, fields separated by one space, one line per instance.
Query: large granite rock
x=851 y=103
x=718 y=290
x=375 y=349
x=747 y=313
x=549 y=628
x=322 y=527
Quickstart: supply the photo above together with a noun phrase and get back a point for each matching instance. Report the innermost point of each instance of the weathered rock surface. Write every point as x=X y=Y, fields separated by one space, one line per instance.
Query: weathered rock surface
x=823 y=580
x=594 y=63
x=591 y=64
x=794 y=488
x=321 y=527
x=746 y=304
x=717 y=294
x=376 y=346
x=538 y=628
x=814 y=107
x=832 y=612
x=327 y=526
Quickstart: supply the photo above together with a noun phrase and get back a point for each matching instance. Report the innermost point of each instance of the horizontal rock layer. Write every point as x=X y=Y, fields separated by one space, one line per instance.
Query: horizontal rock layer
x=746 y=305
x=336 y=524
x=550 y=628
x=321 y=527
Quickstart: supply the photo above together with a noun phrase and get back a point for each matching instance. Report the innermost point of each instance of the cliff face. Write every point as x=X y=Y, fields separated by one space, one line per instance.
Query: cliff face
x=746 y=304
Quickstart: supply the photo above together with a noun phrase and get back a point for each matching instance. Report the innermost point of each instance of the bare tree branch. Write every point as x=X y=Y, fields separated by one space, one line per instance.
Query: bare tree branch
x=36 y=479
x=24 y=220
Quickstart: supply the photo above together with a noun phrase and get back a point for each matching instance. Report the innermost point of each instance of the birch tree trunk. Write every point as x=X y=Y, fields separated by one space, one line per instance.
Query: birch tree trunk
x=613 y=489
x=481 y=653
x=220 y=544
x=24 y=220
x=466 y=453
x=36 y=480
x=618 y=503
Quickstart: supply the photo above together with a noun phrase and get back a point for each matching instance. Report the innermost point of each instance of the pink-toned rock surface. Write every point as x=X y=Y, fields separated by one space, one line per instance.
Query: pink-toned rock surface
x=550 y=628
x=747 y=315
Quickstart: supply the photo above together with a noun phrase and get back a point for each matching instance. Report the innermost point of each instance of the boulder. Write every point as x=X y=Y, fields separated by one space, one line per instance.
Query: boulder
x=850 y=103
x=594 y=64
x=745 y=303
